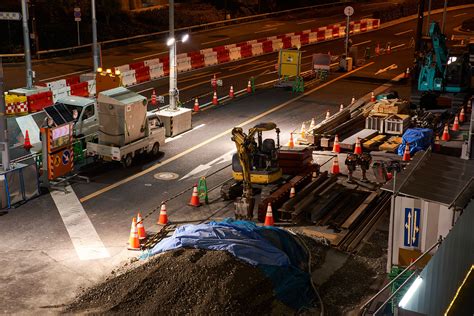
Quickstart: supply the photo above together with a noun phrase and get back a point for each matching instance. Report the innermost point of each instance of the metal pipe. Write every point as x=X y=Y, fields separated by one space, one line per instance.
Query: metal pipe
x=3 y=125
x=394 y=293
x=95 y=55
x=26 y=44
x=173 y=71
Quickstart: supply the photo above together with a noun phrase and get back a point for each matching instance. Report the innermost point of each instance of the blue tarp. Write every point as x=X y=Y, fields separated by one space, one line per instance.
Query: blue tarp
x=274 y=251
x=418 y=138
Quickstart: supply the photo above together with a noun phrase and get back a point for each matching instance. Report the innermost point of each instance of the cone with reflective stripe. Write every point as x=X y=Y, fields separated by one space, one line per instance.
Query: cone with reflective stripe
x=163 y=219
x=358 y=147
x=292 y=192
x=231 y=92
x=153 y=98
x=335 y=166
x=269 y=216
x=336 y=148
x=291 y=143
x=249 y=87
x=133 y=241
x=455 y=124
x=328 y=114
x=406 y=153
x=196 y=105
x=195 y=197
x=214 y=99
x=341 y=107
x=462 y=117
x=140 y=227
x=27 y=144
x=372 y=97
x=445 y=135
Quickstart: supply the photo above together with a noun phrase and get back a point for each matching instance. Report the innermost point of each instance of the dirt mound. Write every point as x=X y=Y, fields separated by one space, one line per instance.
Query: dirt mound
x=185 y=281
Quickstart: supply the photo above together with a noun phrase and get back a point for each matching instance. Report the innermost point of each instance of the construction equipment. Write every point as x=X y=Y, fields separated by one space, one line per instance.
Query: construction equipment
x=256 y=162
x=441 y=73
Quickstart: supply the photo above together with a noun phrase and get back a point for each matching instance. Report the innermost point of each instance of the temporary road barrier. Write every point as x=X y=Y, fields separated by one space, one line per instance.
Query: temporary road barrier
x=128 y=78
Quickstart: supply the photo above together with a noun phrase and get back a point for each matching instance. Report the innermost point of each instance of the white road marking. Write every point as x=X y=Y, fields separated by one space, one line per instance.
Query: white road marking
x=305 y=22
x=216 y=41
x=198 y=171
x=65 y=75
x=266 y=30
x=397 y=46
x=404 y=32
x=144 y=57
x=83 y=235
x=362 y=43
x=170 y=139
x=459 y=14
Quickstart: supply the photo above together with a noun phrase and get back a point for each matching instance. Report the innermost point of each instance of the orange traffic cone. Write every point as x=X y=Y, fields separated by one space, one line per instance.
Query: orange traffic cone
x=328 y=114
x=455 y=124
x=153 y=98
x=292 y=192
x=291 y=144
x=341 y=107
x=358 y=147
x=133 y=241
x=336 y=148
x=353 y=100
x=249 y=87
x=196 y=105
x=214 y=99
x=140 y=227
x=389 y=49
x=231 y=92
x=462 y=117
x=407 y=73
x=372 y=97
x=269 y=216
x=445 y=135
x=406 y=153
x=27 y=144
x=437 y=145
x=163 y=219
x=377 y=49
x=335 y=166
x=195 y=197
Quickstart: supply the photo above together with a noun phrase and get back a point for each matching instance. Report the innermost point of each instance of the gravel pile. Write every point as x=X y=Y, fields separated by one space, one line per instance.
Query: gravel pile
x=185 y=281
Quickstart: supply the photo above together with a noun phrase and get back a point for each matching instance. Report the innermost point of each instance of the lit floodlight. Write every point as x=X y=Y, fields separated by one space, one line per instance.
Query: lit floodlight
x=185 y=37
x=99 y=69
x=109 y=71
x=170 y=41
x=117 y=72
x=408 y=295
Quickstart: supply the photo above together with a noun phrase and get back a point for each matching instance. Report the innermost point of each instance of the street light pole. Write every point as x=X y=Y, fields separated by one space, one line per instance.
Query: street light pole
x=95 y=55
x=173 y=70
x=26 y=44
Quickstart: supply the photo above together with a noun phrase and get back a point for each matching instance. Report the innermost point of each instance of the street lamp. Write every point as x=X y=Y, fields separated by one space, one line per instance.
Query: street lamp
x=171 y=42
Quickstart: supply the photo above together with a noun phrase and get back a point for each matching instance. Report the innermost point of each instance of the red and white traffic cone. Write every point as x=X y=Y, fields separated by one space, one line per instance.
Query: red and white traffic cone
x=163 y=219
x=455 y=124
x=269 y=216
x=249 y=87
x=407 y=73
x=372 y=97
x=358 y=147
x=462 y=116
x=231 y=92
x=312 y=124
x=27 y=144
x=215 y=101
x=406 y=153
x=153 y=98
x=446 y=137
x=335 y=166
x=196 y=105
x=195 y=197
x=292 y=192
x=389 y=49
x=336 y=148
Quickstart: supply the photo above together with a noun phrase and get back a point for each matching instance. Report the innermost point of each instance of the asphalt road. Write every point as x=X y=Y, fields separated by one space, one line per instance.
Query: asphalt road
x=55 y=68
x=40 y=266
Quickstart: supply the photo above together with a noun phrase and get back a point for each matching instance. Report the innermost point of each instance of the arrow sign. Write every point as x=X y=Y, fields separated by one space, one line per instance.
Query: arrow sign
x=201 y=169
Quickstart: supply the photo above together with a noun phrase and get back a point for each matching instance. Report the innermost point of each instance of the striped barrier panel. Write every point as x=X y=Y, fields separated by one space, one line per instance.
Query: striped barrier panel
x=137 y=65
x=312 y=38
x=267 y=47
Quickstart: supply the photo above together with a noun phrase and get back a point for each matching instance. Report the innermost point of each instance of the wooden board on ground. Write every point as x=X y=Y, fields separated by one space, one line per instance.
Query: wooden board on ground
x=359 y=210
x=391 y=145
x=364 y=134
x=323 y=232
x=375 y=142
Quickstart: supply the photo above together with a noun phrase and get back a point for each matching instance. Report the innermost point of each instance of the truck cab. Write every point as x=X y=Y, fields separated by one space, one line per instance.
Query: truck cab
x=87 y=122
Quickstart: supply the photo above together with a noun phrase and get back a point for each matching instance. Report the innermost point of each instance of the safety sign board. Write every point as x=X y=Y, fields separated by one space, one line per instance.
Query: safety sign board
x=66 y=157
x=411 y=227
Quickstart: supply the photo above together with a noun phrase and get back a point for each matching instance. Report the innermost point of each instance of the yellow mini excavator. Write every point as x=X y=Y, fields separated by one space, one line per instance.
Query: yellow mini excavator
x=256 y=162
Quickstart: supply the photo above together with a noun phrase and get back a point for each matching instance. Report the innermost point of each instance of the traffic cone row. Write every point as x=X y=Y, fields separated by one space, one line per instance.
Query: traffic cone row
x=406 y=153
x=195 y=198
x=269 y=216
x=372 y=97
x=455 y=124
x=335 y=166
x=336 y=148
x=137 y=230
x=27 y=144
x=446 y=137
x=358 y=147
x=196 y=105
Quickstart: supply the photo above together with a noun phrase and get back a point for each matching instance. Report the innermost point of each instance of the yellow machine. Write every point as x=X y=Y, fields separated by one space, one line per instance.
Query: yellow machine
x=256 y=162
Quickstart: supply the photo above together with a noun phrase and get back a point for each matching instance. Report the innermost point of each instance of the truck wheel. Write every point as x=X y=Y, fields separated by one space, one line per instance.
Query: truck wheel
x=156 y=149
x=127 y=161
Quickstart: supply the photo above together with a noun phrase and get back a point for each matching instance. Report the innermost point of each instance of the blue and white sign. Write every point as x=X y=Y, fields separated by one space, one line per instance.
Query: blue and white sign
x=411 y=227
x=66 y=157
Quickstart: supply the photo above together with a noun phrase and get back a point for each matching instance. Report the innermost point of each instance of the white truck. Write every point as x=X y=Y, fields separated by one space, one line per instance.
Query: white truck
x=126 y=129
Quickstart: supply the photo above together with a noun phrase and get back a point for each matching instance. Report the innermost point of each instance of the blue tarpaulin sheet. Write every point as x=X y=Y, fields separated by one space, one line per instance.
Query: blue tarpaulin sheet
x=274 y=251
x=418 y=138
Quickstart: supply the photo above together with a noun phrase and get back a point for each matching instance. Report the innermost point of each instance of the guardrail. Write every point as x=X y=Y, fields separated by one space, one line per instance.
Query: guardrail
x=186 y=28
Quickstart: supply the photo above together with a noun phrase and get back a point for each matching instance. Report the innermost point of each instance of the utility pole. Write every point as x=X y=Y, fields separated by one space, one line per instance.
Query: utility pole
x=173 y=71
x=34 y=28
x=26 y=44
x=3 y=125
x=444 y=16
x=95 y=55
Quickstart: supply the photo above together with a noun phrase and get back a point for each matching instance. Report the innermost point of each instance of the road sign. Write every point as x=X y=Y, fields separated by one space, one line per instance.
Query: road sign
x=348 y=11
x=411 y=227
x=219 y=82
x=66 y=156
x=161 y=99
x=10 y=16
x=77 y=14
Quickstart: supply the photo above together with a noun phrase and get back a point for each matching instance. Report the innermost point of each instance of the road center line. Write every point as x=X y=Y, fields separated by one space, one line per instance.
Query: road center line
x=212 y=139
x=404 y=32
x=216 y=41
x=83 y=235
